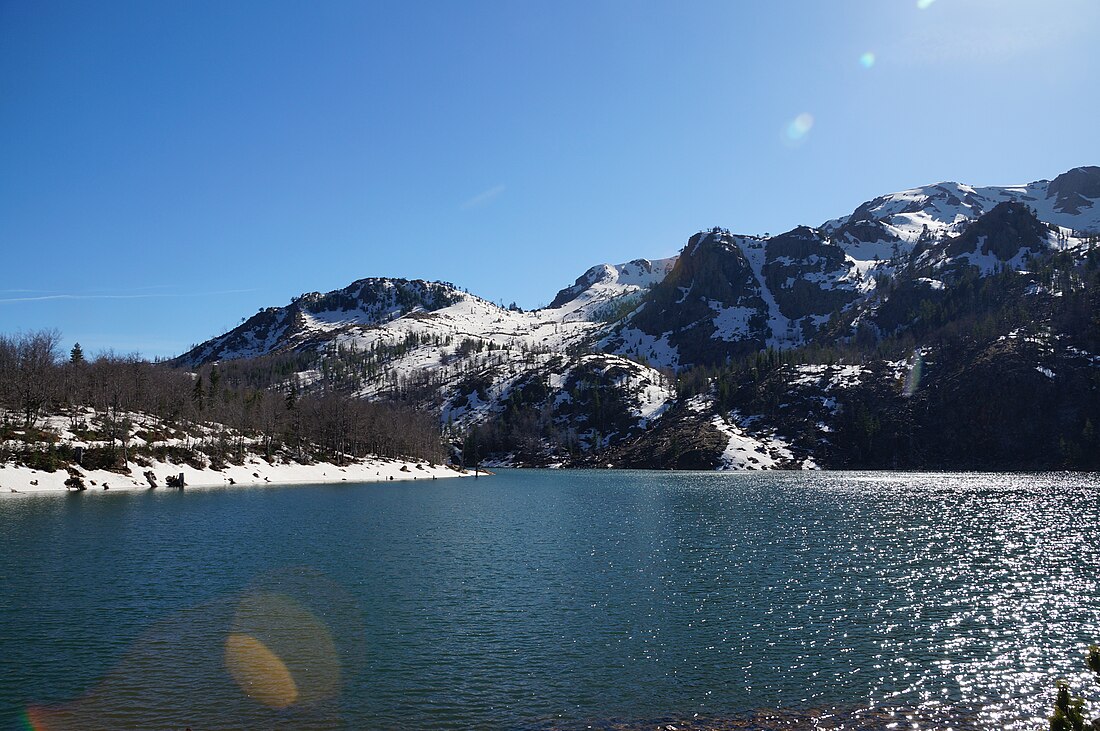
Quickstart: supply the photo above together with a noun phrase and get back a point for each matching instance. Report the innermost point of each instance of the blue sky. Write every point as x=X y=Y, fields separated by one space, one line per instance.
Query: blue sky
x=167 y=168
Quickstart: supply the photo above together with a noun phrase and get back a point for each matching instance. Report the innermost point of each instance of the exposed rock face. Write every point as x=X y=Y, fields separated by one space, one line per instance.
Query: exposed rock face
x=1075 y=190
x=1003 y=233
x=807 y=274
x=587 y=379
x=707 y=309
x=685 y=440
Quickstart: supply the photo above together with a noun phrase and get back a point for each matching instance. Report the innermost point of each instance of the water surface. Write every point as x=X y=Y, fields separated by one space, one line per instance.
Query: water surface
x=539 y=599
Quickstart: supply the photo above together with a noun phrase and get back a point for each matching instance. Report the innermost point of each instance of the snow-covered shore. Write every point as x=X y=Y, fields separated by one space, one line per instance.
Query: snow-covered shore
x=24 y=480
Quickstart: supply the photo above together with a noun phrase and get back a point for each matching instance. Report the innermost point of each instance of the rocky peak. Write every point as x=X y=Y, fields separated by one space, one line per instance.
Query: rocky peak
x=1002 y=232
x=1075 y=189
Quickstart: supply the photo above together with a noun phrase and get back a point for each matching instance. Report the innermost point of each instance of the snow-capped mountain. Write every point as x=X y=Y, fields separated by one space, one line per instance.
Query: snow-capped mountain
x=314 y=318
x=882 y=226
x=731 y=295
x=466 y=356
x=589 y=374
x=603 y=288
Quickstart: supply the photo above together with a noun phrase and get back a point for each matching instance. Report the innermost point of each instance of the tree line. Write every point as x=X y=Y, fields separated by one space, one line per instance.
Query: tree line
x=218 y=417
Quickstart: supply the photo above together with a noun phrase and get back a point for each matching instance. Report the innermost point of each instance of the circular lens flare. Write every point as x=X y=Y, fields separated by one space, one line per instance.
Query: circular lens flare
x=798 y=128
x=259 y=672
x=280 y=653
x=867 y=60
x=924 y=4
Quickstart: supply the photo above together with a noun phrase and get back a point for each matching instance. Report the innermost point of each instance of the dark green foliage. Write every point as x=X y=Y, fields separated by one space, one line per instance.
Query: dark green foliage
x=102 y=458
x=1006 y=229
x=536 y=423
x=683 y=442
x=198 y=396
x=476 y=383
x=48 y=460
x=471 y=449
x=1008 y=380
x=176 y=455
x=1069 y=711
x=29 y=435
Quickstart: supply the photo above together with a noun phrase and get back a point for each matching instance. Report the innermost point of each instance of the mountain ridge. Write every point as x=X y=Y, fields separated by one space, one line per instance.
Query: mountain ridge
x=600 y=366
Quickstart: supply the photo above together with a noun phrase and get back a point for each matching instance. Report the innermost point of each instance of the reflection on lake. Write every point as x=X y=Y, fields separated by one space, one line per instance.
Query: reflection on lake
x=545 y=599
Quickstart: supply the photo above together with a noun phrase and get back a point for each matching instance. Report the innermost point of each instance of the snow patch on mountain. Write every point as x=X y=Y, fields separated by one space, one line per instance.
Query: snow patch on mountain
x=746 y=449
x=730 y=323
x=656 y=350
x=1072 y=200
x=604 y=284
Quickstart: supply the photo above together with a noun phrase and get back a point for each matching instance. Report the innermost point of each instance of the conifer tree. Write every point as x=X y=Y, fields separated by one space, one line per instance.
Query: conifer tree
x=198 y=395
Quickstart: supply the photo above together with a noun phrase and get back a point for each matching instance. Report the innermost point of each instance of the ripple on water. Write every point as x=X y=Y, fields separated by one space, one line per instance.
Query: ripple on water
x=558 y=600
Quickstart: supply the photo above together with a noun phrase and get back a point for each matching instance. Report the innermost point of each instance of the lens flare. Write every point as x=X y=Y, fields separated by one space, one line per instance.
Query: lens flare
x=280 y=653
x=268 y=654
x=260 y=673
x=867 y=60
x=31 y=721
x=797 y=129
x=912 y=378
x=924 y=4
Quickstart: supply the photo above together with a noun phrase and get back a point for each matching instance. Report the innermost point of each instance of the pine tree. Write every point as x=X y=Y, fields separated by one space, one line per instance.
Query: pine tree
x=76 y=355
x=198 y=395
x=215 y=380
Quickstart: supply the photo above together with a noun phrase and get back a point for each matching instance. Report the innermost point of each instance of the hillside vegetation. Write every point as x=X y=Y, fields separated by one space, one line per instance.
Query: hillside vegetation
x=123 y=409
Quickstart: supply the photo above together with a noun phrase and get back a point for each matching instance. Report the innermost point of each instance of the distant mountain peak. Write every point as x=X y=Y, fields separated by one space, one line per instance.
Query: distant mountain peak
x=1007 y=230
x=944 y=209
x=364 y=302
x=603 y=283
x=1076 y=190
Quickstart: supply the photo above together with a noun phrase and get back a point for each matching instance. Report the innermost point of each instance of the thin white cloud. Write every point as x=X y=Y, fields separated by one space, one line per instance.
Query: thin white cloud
x=485 y=196
x=82 y=296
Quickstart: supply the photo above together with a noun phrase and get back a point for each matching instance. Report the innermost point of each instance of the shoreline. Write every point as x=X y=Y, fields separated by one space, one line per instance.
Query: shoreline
x=255 y=472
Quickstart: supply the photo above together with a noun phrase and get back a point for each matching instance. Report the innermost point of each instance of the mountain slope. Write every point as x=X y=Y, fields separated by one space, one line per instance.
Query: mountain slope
x=1071 y=200
x=309 y=319
x=596 y=293
x=588 y=380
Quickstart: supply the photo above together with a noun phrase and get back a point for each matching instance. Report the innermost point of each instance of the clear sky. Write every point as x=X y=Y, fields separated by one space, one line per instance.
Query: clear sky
x=169 y=167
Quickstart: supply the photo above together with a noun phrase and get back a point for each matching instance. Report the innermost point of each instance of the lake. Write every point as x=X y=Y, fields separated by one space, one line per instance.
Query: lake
x=541 y=599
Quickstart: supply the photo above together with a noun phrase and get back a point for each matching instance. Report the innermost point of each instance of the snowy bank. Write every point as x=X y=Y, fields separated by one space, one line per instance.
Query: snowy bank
x=17 y=480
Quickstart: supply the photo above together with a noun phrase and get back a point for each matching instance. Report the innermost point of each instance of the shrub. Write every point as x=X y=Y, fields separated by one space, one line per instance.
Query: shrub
x=1069 y=711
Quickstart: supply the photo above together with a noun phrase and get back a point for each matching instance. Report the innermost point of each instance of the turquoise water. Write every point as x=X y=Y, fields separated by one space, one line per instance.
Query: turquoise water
x=550 y=599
